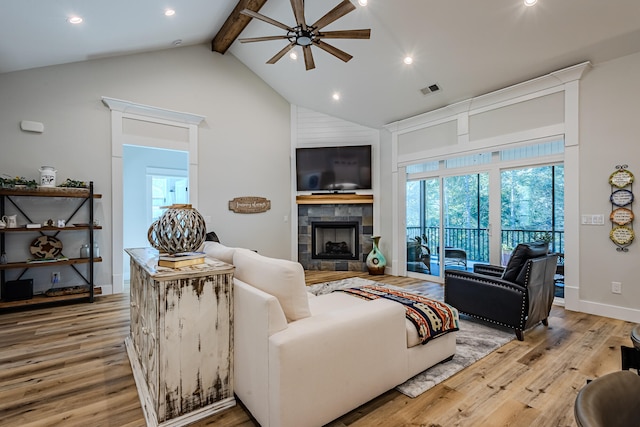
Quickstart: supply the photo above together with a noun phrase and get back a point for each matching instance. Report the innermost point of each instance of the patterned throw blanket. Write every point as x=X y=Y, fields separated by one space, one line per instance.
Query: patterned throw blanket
x=431 y=318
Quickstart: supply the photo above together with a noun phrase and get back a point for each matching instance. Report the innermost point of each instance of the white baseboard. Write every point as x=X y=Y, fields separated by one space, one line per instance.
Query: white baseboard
x=106 y=289
x=574 y=303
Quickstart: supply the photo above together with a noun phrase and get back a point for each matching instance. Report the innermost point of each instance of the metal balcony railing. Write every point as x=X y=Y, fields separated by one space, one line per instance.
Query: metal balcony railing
x=475 y=241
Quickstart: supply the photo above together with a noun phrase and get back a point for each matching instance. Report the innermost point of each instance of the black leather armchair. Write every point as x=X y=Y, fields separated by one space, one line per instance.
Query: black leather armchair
x=518 y=296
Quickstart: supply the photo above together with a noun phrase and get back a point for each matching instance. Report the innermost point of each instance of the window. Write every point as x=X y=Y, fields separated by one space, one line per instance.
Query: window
x=166 y=187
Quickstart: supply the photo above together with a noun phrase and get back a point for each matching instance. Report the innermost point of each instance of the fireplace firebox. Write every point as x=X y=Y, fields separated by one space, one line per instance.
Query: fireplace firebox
x=335 y=240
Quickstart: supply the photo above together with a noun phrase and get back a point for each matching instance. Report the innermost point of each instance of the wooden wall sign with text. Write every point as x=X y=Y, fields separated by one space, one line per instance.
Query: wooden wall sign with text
x=249 y=205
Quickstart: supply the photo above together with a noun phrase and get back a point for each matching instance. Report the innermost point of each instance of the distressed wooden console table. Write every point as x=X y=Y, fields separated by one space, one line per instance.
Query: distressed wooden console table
x=181 y=341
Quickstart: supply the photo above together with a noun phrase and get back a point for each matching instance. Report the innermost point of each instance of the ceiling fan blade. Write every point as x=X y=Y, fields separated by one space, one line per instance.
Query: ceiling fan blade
x=266 y=19
x=308 y=58
x=340 y=54
x=282 y=53
x=298 y=11
x=261 y=39
x=346 y=34
x=337 y=12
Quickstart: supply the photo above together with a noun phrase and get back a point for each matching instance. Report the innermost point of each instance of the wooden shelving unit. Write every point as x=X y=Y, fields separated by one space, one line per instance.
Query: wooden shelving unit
x=13 y=197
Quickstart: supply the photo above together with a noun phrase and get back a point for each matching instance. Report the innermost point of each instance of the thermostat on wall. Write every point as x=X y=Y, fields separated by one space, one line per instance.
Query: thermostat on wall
x=29 y=126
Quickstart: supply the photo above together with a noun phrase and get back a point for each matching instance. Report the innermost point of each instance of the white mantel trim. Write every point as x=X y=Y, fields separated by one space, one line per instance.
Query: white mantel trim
x=129 y=107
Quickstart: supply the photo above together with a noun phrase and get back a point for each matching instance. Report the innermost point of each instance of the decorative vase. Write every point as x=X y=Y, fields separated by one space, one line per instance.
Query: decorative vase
x=47 y=176
x=376 y=262
x=181 y=228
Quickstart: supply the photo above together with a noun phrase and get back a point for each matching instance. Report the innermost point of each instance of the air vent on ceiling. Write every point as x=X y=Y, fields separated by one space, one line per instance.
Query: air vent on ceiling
x=430 y=89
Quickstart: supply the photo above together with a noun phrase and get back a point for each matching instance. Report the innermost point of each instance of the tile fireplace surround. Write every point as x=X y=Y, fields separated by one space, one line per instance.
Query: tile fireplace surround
x=362 y=213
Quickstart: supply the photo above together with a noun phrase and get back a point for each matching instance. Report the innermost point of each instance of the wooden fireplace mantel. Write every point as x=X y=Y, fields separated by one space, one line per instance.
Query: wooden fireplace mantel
x=334 y=199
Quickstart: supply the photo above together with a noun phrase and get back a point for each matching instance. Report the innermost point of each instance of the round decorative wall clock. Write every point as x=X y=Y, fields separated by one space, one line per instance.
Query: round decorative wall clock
x=621 y=216
x=621 y=235
x=621 y=197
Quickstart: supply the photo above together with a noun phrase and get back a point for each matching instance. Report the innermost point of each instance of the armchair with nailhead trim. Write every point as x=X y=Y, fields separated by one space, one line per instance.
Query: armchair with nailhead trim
x=518 y=296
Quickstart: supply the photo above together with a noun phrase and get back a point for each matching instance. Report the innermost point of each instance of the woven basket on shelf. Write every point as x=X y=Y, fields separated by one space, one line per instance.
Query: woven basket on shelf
x=181 y=228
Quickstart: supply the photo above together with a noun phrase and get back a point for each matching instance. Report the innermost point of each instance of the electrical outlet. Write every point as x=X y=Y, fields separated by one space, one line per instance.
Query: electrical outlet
x=616 y=287
x=55 y=277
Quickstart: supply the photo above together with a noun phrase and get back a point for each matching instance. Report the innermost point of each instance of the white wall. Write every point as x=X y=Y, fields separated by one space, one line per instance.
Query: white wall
x=244 y=143
x=609 y=136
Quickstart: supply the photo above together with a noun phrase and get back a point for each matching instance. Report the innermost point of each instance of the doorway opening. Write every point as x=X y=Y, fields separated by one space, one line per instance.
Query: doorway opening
x=153 y=177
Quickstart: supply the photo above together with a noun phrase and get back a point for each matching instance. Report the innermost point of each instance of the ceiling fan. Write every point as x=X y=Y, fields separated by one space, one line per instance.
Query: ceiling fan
x=310 y=35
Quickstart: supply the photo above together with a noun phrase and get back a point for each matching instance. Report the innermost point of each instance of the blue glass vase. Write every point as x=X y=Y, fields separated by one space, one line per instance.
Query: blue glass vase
x=376 y=262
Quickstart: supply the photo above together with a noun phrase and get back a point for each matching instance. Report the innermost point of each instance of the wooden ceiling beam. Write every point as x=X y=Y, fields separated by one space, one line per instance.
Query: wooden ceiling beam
x=235 y=23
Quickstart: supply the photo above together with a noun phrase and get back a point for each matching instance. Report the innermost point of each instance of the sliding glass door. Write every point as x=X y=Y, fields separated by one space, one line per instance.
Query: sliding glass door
x=466 y=220
x=462 y=210
x=477 y=208
x=532 y=208
x=423 y=226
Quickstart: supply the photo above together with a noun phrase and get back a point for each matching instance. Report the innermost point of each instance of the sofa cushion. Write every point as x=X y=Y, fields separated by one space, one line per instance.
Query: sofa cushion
x=218 y=251
x=520 y=255
x=341 y=301
x=281 y=278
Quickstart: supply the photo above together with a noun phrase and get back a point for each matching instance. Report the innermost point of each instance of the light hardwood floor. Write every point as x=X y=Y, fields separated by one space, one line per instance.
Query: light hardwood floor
x=67 y=366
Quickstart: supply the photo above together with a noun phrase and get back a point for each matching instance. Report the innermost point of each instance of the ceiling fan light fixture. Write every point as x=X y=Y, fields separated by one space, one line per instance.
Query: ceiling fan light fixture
x=303 y=41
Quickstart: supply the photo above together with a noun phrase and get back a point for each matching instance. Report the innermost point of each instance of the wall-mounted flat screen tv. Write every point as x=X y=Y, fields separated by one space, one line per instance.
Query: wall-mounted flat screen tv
x=335 y=169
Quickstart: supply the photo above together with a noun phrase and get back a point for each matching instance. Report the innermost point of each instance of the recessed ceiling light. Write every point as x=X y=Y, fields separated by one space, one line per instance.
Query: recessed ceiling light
x=293 y=56
x=169 y=12
x=408 y=60
x=336 y=96
x=74 y=20
x=177 y=42
x=362 y=2
x=530 y=2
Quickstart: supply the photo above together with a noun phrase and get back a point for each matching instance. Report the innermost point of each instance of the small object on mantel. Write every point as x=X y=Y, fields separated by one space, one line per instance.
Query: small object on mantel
x=185 y=259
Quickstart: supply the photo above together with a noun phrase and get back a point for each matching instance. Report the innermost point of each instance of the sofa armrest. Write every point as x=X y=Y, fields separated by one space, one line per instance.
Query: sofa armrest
x=257 y=315
x=359 y=351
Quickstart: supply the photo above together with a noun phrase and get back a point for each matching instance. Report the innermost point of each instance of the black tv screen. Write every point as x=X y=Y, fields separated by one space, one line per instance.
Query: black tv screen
x=334 y=168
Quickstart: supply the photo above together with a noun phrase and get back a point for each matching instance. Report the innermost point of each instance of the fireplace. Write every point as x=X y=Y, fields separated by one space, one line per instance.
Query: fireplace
x=337 y=216
x=335 y=240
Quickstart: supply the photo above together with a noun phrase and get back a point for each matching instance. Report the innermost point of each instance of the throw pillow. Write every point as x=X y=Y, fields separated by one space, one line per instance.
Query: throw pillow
x=212 y=237
x=218 y=251
x=520 y=255
x=278 y=277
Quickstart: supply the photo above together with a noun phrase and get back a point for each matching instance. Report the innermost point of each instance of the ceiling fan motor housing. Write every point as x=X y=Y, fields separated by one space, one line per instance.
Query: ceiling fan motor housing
x=302 y=37
x=309 y=35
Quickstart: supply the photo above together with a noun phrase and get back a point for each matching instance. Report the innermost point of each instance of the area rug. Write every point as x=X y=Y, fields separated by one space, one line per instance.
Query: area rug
x=474 y=341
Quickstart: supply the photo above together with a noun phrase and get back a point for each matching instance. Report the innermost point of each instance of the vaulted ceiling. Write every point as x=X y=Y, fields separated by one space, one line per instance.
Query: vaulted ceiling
x=466 y=47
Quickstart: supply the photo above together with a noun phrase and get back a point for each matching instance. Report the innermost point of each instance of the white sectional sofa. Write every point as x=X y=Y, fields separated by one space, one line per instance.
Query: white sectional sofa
x=304 y=360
